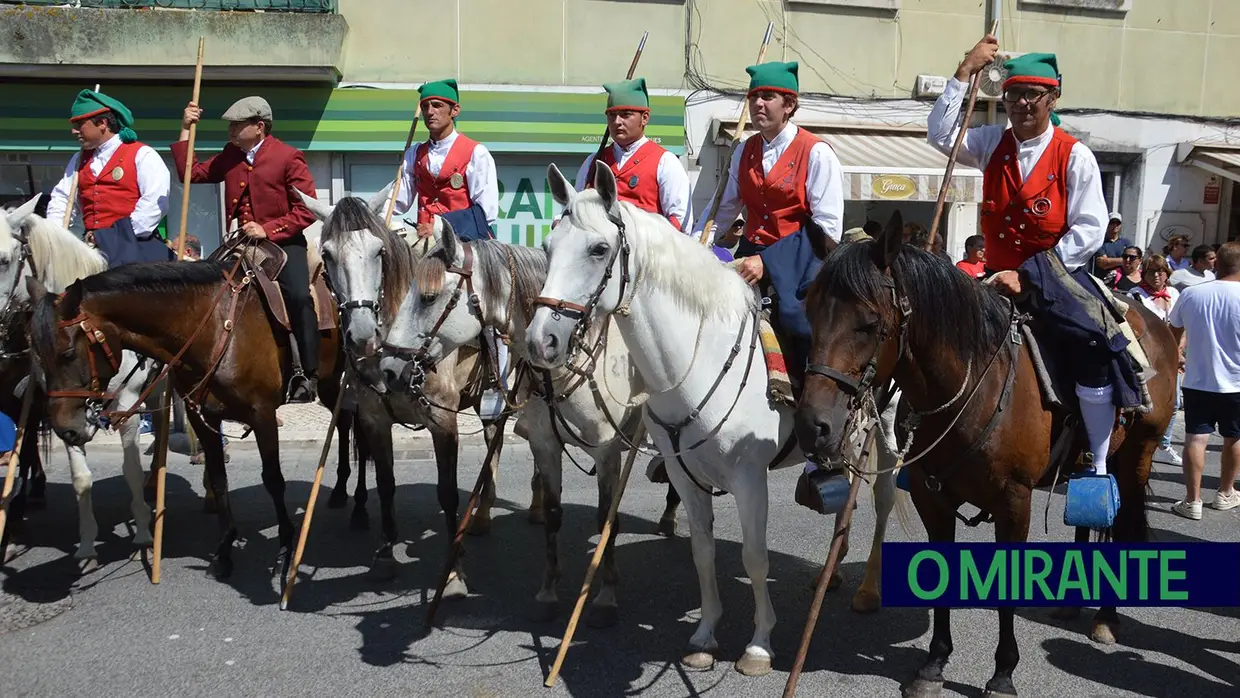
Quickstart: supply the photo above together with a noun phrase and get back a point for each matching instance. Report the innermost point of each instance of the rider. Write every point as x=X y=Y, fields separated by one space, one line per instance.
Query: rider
x=122 y=187
x=647 y=175
x=453 y=176
x=1042 y=191
x=261 y=176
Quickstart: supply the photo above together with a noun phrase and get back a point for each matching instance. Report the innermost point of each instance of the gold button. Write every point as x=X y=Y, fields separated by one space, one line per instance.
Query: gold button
x=234 y=201
x=243 y=184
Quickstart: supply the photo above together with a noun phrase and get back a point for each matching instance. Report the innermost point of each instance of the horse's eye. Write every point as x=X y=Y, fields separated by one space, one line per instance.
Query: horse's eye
x=868 y=328
x=598 y=249
x=429 y=297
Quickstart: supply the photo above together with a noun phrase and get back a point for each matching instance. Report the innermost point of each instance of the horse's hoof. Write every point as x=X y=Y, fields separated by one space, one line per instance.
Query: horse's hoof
x=142 y=538
x=866 y=601
x=923 y=688
x=479 y=526
x=456 y=589
x=602 y=616
x=359 y=520
x=282 y=564
x=754 y=665
x=543 y=612
x=84 y=552
x=338 y=499
x=1000 y=687
x=1102 y=633
x=698 y=660
x=382 y=569
x=87 y=565
x=667 y=528
x=536 y=516
x=220 y=569
x=1066 y=613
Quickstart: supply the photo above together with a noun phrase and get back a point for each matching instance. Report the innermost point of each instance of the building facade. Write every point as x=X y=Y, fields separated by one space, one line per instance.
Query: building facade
x=1143 y=86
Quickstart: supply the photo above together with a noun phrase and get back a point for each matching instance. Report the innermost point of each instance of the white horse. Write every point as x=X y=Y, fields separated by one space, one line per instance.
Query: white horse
x=505 y=279
x=689 y=322
x=31 y=245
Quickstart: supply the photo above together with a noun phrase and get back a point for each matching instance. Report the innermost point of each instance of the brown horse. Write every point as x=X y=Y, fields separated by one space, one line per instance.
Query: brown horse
x=880 y=309
x=233 y=364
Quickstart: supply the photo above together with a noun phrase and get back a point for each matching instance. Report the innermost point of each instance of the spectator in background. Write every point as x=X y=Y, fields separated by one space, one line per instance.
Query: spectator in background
x=193 y=249
x=1132 y=271
x=1109 y=257
x=918 y=235
x=974 y=262
x=1176 y=252
x=1200 y=271
x=1206 y=322
x=1155 y=294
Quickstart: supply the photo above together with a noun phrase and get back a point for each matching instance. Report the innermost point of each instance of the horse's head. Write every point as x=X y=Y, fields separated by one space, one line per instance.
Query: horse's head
x=588 y=267
x=855 y=311
x=14 y=255
x=78 y=361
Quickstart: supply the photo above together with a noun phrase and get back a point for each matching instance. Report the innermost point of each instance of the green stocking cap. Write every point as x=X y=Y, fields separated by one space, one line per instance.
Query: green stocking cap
x=440 y=89
x=90 y=103
x=627 y=95
x=780 y=77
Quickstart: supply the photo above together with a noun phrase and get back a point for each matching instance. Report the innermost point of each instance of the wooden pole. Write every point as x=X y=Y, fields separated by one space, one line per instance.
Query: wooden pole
x=314 y=496
x=15 y=456
x=975 y=82
x=161 y=428
x=736 y=139
x=400 y=172
x=641 y=46
x=604 y=537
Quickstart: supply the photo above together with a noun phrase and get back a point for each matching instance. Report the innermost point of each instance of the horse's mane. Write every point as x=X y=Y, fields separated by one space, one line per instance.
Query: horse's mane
x=671 y=261
x=152 y=277
x=949 y=308
x=528 y=272
x=353 y=214
x=59 y=257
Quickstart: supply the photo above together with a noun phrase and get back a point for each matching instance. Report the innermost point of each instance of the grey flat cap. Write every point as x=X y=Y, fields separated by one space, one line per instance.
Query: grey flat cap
x=856 y=235
x=248 y=108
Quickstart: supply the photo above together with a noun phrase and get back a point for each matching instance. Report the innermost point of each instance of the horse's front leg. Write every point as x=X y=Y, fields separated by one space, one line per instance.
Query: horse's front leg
x=938 y=516
x=1012 y=528
x=700 y=511
x=549 y=474
x=267 y=437
x=83 y=480
x=1072 y=612
x=869 y=596
x=604 y=610
x=375 y=430
x=340 y=493
x=480 y=523
x=446 y=439
x=221 y=566
x=131 y=466
x=752 y=505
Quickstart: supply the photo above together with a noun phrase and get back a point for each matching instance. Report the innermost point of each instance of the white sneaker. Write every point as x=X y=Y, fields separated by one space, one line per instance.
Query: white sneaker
x=1223 y=502
x=1170 y=456
x=1189 y=510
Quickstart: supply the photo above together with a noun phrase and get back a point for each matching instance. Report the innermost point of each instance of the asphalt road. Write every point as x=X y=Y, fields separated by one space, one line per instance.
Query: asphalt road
x=111 y=633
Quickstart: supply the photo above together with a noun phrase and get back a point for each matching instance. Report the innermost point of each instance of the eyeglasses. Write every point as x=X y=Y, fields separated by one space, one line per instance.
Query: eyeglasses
x=1031 y=97
x=1131 y=257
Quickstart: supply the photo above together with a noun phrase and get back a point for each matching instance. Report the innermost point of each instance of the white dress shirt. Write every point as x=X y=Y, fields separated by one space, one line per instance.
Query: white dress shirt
x=479 y=175
x=154 y=181
x=674 y=194
x=249 y=156
x=1087 y=209
x=824 y=183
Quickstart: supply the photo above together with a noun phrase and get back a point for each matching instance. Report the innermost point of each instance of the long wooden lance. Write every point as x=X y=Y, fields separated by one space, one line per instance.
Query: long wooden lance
x=741 y=120
x=400 y=171
x=975 y=83
x=641 y=46
x=161 y=427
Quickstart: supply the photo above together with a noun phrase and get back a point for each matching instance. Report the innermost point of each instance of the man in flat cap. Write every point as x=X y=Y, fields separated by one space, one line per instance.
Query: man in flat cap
x=261 y=176
x=122 y=188
x=647 y=175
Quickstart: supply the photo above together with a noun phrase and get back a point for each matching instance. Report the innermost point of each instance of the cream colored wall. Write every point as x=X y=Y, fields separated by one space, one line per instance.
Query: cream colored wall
x=1171 y=56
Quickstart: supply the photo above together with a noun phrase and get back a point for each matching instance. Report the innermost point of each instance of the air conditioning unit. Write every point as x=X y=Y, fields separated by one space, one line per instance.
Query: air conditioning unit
x=929 y=86
x=993 y=75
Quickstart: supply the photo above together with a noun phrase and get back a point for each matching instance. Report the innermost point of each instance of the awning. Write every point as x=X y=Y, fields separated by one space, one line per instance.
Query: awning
x=36 y=117
x=884 y=163
x=1215 y=158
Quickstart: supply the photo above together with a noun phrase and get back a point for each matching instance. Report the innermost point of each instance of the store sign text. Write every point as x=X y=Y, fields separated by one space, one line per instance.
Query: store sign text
x=893 y=187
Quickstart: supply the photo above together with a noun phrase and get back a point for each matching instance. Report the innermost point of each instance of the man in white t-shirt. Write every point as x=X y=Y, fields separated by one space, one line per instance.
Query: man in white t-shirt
x=1200 y=271
x=1207 y=318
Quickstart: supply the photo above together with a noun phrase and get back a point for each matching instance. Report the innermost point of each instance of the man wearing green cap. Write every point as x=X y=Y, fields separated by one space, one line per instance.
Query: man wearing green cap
x=1043 y=218
x=647 y=175
x=450 y=172
x=122 y=185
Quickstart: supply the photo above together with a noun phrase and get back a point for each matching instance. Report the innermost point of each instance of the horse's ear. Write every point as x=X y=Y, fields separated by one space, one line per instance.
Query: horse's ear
x=449 y=243
x=378 y=202
x=887 y=247
x=35 y=289
x=561 y=190
x=321 y=209
x=18 y=216
x=605 y=184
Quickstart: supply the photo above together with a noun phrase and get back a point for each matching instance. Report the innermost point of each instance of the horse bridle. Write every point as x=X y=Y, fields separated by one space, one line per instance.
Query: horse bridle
x=24 y=255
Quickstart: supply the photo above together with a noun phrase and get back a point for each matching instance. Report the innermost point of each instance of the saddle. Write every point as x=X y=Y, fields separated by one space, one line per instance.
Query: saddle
x=265 y=260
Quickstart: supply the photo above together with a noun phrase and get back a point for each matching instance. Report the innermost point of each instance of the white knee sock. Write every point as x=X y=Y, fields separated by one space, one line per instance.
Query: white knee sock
x=501 y=355
x=1099 y=416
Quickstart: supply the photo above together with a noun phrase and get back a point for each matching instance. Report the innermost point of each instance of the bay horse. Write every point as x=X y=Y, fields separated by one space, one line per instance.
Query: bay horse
x=879 y=309
x=585 y=405
x=371 y=269
x=691 y=325
x=230 y=364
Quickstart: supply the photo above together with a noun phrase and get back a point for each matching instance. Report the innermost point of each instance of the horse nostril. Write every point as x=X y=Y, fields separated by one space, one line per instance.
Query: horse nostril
x=553 y=342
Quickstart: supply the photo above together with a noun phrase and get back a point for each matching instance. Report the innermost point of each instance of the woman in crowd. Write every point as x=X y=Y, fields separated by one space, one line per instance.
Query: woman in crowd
x=1176 y=252
x=1129 y=274
x=1155 y=294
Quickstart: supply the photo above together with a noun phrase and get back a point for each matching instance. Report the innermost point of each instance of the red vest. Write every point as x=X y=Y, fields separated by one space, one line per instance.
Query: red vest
x=638 y=181
x=114 y=193
x=776 y=202
x=436 y=194
x=1020 y=219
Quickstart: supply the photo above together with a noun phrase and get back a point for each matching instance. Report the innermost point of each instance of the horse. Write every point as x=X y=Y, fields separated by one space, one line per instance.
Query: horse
x=371 y=270
x=586 y=405
x=878 y=310
x=32 y=247
x=226 y=360
x=691 y=325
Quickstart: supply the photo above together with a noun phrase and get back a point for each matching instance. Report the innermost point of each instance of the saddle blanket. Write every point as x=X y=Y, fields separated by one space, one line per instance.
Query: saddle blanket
x=778 y=383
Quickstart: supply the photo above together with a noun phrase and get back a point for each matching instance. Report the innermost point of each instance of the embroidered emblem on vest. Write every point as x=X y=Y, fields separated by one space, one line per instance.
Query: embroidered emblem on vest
x=117 y=173
x=456 y=180
x=633 y=182
x=1041 y=206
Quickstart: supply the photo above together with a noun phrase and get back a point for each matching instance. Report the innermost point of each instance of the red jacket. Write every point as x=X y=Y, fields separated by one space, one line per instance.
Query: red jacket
x=1022 y=218
x=261 y=192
